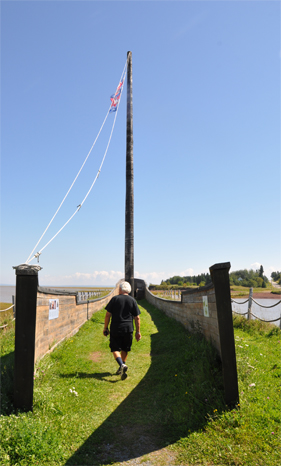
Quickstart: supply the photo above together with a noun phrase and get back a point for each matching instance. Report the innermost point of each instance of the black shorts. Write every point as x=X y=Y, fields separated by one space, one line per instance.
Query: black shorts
x=121 y=342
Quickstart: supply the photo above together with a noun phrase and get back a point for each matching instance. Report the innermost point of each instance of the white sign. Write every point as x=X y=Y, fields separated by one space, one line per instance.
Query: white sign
x=53 y=309
x=205 y=306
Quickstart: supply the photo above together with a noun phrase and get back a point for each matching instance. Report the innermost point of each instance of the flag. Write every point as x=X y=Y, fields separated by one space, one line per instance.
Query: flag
x=115 y=98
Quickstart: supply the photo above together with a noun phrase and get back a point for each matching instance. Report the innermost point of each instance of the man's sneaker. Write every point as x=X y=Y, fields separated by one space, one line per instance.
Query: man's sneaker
x=118 y=371
x=124 y=369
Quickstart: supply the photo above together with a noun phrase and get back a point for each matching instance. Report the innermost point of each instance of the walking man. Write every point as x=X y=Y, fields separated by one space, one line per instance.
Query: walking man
x=121 y=311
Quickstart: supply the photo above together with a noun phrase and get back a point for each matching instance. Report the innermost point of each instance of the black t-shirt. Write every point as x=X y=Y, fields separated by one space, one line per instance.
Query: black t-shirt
x=122 y=309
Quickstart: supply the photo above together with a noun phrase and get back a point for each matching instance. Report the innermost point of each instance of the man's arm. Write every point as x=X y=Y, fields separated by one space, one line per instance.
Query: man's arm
x=137 y=323
x=106 y=323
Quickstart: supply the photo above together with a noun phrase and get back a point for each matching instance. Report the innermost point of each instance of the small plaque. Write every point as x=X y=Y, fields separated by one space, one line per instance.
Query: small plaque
x=53 y=309
x=205 y=306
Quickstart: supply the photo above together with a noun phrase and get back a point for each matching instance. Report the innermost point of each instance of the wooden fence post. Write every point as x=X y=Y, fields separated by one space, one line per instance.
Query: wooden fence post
x=250 y=304
x=14 y=308
x=220 y=279
x=26 y=302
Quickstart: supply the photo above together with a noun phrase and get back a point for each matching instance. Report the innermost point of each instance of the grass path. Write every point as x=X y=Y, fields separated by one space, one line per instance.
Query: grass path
x=109 y=420
x=170 y=408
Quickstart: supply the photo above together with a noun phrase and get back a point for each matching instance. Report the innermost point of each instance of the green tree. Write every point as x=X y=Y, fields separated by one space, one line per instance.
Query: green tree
x=259 y=281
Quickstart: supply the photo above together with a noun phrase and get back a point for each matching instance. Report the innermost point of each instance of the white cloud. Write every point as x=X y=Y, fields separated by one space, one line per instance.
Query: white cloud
x=107 y=278
x=255 y=266
x=267 y=269
x=97 y=278
x=187 y=273
x=152 y=277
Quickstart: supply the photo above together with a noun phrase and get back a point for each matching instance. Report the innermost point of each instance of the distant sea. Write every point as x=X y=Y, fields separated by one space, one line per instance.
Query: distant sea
x=6 y=293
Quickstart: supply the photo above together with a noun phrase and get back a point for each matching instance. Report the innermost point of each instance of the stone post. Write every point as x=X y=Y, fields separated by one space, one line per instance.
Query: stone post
x=26 y=302
x=220 y=279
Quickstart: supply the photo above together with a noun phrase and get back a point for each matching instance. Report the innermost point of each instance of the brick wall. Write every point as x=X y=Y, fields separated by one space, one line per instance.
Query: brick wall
x=72 y=315
x=190 y=312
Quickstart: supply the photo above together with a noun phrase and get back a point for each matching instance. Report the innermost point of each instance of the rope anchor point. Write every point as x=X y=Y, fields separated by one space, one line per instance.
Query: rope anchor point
x=37 y=256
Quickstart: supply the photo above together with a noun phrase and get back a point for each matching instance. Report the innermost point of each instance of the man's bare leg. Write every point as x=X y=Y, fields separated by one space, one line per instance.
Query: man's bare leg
x=116 y=354
x=123 y=355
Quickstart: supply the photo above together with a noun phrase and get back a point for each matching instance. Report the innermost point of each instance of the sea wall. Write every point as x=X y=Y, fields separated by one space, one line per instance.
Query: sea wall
x=59 y=315
x=190 y=311
x=208 y=310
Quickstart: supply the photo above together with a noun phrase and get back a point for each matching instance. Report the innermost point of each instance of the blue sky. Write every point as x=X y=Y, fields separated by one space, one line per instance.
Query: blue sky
x=206 y=106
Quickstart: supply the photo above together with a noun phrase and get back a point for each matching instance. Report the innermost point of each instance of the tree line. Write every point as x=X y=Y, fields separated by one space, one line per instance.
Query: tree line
x=177 y=282
x=248 y=278
x=276 y=277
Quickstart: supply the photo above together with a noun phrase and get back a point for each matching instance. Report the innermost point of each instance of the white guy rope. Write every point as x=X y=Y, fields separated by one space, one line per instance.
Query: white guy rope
x=28 y=259
x=69 y=189
x=80 y=205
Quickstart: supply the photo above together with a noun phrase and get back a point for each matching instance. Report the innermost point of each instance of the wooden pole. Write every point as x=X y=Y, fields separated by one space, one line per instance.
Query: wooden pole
x=250 y=304
x=220 y=279
x=129 y=213
x=26 y=302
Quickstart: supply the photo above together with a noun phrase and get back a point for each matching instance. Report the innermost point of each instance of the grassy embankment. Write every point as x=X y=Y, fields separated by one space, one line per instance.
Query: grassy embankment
x=172 y=399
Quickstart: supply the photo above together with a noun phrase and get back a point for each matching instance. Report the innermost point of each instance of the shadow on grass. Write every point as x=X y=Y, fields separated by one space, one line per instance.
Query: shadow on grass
x=182 y=385
x=98 y=375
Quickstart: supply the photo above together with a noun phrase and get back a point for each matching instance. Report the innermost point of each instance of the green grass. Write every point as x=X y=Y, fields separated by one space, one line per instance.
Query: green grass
x=242 y=291
x=173 y=398
x=5 y=316
x=249 y=435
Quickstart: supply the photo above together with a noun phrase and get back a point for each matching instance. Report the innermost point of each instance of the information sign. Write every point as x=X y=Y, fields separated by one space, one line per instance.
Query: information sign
x=53 y=309
x=205 y=306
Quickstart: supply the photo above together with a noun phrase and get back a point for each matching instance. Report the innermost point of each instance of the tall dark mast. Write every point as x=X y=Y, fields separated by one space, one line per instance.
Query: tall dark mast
x=129 y=214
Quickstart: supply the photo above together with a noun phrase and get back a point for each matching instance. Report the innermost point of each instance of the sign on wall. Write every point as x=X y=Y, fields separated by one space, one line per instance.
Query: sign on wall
x=53 y=309
x=205 y=306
